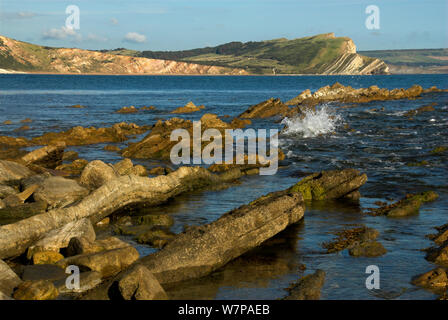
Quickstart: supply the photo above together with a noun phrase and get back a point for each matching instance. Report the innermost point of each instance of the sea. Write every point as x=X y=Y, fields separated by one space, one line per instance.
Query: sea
x=381 y=141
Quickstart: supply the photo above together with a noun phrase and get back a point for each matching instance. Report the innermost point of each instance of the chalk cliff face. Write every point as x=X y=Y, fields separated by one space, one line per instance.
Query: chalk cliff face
x=22 y=56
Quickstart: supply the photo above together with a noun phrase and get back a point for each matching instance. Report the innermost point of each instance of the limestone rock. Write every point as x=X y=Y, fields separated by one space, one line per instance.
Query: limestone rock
x=60 y=192
x=436 y=278
x=47 y=257
x=367 y=249
x=60 y=238
x=87 y=281
x=332 y=184
x=137 y=283
x=266 y=109
x=8 y=279
x=188 y=108
x=108 y=263
x=36 y=290
x=13 y=171
x=201 y=250
x=96 y=173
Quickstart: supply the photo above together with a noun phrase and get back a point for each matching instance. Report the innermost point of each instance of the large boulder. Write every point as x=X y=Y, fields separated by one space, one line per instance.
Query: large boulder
x=96 y=173
x=10 y=170
x=59 y=192
x=87 y=281
x=332 y=184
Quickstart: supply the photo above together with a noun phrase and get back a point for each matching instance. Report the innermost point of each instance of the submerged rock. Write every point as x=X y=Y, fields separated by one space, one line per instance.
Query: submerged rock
x=367 y=249
x=407 y=206
x=332 y=184
x=130 y=109
x=349 y=238
x=308 y=287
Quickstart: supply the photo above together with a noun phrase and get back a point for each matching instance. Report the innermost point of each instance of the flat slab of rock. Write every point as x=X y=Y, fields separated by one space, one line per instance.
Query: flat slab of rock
x=59 y=192
x=333 y=184
x=10 y=170
x=201 y=250
x=87 y=281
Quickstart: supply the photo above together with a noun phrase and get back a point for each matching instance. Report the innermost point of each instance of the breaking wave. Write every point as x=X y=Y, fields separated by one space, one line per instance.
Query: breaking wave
x=313 y=123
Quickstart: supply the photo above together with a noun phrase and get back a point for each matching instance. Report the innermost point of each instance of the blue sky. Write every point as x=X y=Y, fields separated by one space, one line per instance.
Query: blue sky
x=186 y=24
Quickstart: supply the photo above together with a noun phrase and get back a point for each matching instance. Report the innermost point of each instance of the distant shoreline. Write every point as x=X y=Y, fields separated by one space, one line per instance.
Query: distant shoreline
x=5 y=71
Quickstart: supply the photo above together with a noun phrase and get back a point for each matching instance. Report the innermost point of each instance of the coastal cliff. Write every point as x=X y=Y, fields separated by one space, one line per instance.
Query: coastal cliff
x=21 y=56
x=323 y=54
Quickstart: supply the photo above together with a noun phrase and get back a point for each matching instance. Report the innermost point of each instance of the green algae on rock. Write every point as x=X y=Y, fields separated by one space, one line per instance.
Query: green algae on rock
x=407 y=206
x=332 y=184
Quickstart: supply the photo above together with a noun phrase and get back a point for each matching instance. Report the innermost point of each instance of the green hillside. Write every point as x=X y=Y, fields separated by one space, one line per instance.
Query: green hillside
x=310 y=55
x=414 y=60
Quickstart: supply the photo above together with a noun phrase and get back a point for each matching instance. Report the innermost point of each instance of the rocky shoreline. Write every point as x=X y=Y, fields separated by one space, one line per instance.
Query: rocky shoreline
x=51 y=210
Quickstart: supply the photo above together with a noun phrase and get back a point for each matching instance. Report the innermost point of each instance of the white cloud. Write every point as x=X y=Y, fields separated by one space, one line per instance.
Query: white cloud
x=97 y=38
x=62 y=33
x=135 y=37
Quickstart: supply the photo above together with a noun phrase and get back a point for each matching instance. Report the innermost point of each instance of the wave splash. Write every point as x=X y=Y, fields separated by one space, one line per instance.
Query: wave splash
x=312 y=123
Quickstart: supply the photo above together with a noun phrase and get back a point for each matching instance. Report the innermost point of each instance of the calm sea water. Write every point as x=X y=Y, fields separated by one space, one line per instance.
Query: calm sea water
x=381 y=145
